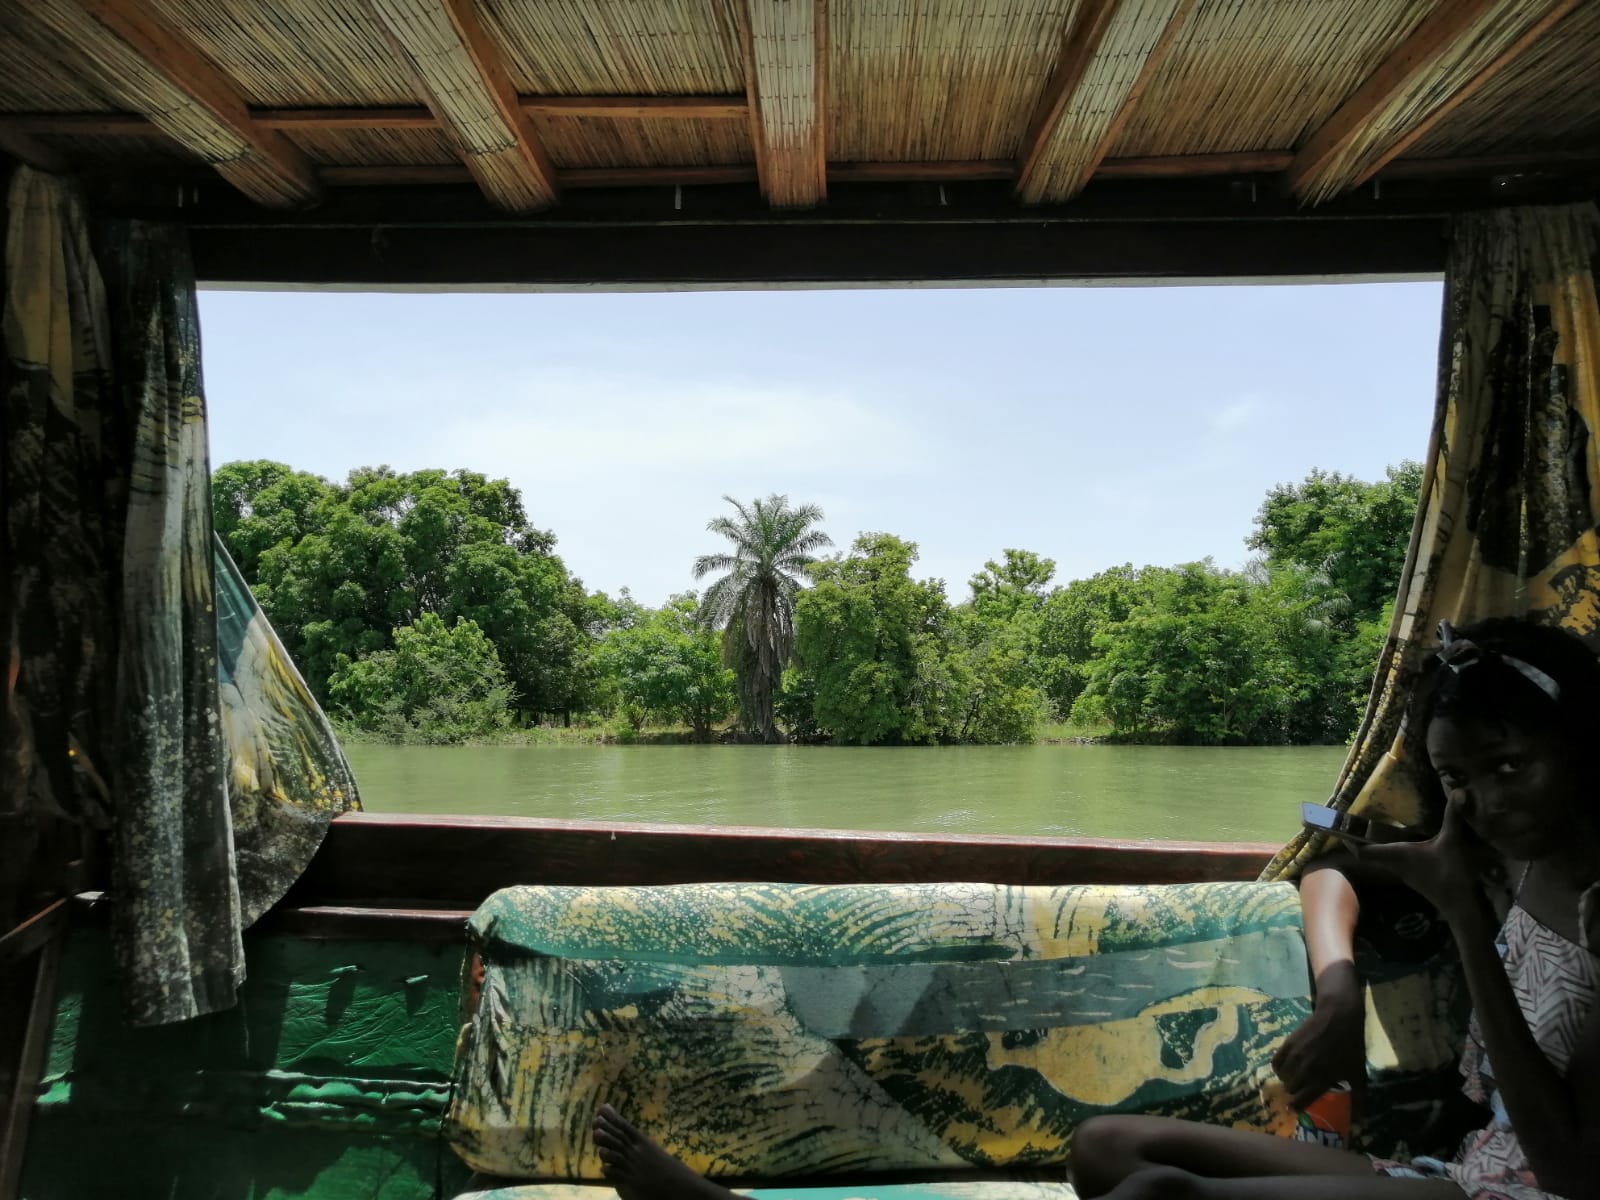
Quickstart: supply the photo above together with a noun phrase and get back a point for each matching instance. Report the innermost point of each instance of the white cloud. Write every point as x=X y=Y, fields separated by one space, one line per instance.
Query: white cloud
x=1235 y=416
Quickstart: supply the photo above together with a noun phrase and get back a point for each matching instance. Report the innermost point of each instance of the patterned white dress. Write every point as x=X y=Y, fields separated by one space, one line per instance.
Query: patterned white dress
x=1555 y=982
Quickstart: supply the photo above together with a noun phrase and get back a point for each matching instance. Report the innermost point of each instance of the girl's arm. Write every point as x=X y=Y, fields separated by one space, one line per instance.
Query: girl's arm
x=1330 y=1047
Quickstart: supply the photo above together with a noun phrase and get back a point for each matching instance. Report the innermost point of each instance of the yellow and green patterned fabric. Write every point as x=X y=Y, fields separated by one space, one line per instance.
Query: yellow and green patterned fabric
x=770 y=1030
x=1509 y=520
x=942 y=1189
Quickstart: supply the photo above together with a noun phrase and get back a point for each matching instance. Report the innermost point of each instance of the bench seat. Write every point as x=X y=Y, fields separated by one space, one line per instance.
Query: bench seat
x=769 y=1032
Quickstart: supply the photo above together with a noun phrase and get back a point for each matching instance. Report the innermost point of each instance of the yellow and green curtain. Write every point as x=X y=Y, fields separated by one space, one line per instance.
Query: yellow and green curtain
x=1511 y=486
x=145 y=695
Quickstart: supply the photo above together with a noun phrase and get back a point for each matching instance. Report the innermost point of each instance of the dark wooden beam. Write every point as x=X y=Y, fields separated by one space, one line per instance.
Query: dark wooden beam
x=1128 y=232
x=353 y=923
x=22 y=146
x=28 y=937
x=1309 y=175
x=1493 y=164
x=641 y=108
x=469 y=90
x=32 y=1052
x=1080 y=43
x=454 y=863
x=128 y=39
x=1434 y=116
x=1195 y=166
x=920 y=172
x=631 y=177
x=396 y=175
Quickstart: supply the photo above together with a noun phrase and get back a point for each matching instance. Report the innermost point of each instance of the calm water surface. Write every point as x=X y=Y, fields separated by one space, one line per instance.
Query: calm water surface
x=1204 y=794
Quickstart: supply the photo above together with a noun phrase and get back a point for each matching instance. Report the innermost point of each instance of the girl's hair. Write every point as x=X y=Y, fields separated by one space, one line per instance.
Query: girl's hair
x=1493 y=690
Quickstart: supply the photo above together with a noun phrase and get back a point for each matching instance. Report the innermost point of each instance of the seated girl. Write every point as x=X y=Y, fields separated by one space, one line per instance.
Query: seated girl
x=1511 y=712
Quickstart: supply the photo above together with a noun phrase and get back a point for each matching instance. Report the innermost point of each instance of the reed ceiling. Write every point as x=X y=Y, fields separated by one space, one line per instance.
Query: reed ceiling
x=524 y=100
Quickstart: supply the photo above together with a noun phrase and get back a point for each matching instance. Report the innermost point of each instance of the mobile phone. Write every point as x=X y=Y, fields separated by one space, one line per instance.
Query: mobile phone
x=1322 y=819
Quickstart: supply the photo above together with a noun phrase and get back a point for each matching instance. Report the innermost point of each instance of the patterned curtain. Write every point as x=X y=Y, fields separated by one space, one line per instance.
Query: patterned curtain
x=146 y=692
x=63 y=475
x=1511 y=489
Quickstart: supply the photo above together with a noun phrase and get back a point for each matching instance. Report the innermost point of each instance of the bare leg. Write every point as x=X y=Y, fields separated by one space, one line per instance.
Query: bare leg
x=1108 y=1150
x=641 y=1170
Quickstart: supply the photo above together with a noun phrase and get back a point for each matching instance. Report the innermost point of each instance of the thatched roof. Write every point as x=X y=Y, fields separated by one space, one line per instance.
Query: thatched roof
x=530 y=99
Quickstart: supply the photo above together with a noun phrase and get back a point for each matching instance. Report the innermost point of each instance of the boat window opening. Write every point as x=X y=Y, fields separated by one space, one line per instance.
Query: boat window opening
x=1092 y=561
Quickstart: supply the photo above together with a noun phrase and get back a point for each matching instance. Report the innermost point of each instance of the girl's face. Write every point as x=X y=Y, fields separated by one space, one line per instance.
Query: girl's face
x=1520 y=791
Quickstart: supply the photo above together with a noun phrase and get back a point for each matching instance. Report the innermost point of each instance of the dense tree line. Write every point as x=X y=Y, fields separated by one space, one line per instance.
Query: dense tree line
x=425 y=606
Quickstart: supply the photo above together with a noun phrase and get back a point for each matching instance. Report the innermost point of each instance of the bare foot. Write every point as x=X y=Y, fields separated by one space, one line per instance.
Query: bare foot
x=641 y=1170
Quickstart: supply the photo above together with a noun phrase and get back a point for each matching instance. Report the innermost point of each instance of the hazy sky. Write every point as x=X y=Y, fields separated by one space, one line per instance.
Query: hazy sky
x=1092 y=425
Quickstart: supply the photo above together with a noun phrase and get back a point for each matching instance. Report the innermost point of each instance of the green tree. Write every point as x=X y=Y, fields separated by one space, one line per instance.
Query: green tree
x=438 y=684
x=668 y=667
x=337 y=568
x=1353 y=532
x=753 y=602
x=870 y=647
x=1069 y=619
x=1191 y=662
x=261 y=504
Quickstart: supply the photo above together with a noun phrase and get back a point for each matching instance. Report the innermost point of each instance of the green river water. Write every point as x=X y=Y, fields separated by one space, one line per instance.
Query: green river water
x=1194 y=793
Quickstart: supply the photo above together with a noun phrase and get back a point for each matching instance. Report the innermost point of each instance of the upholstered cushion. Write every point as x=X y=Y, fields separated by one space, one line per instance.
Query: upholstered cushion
x=765 y=1030
x=978 y=1189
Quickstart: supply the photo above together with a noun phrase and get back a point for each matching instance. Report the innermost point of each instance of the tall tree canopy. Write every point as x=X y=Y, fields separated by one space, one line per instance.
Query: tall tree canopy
x=1353 y=532
x=753 y=601
x=338 y=568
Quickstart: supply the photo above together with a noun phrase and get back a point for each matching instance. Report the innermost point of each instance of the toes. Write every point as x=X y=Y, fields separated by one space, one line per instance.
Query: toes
x=611 y=1140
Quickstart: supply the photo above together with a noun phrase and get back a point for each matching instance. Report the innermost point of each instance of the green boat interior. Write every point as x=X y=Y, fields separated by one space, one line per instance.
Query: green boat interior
x=223 y=980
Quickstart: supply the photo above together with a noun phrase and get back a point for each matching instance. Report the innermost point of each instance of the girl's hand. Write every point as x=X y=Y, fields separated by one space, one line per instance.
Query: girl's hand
x=1330 y=1046
x=1447 y=869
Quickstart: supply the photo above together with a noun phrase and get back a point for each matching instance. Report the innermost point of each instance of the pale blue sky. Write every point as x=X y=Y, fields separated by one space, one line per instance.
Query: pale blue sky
x=1092 y=425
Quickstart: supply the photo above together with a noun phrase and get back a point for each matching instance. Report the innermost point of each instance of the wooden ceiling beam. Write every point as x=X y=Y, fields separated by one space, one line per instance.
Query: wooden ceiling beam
x=22 y=146
x=468 y=88
x=1079 y=44
x=785 y=47
x=187 y=98
x=1529 y=37
x=641 y=108
x=1412 y=58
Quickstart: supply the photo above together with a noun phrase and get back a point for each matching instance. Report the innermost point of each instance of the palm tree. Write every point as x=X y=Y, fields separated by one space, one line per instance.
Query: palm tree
x=753 y=603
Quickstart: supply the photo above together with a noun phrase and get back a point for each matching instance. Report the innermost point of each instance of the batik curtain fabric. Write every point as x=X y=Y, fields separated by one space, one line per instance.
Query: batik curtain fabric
x=62 y=482
x=287 y=777
x=1511 y=484
x=141 y=696
x=177 y=912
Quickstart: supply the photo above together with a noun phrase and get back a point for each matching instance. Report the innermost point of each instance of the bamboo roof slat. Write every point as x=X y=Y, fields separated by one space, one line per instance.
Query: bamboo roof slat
x=786 y=55
x=606 y=142
x=647 y=47
x=102 y=154
x=1471 y=35
x=1248 y=75
x=1073 y=145
x=469 y=90
x=144 y=66
x=39 y=74
x=295 y=53
x=924 y=80
x=1547 y=98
